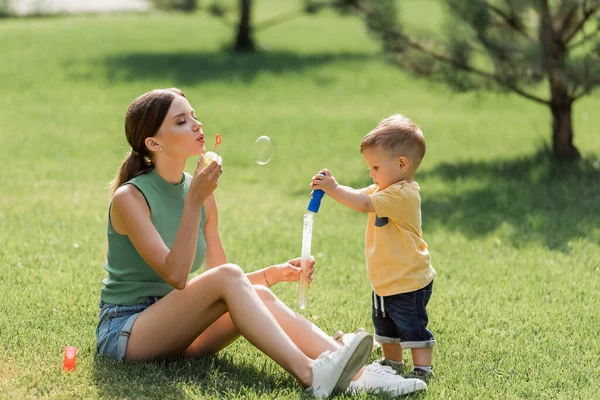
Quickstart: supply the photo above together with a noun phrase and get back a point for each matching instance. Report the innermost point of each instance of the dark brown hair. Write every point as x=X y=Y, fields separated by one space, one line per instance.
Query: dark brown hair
x=143 y=119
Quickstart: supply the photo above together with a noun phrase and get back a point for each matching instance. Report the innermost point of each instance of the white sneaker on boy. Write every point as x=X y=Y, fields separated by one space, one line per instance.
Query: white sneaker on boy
x=335 y=370
x=378 y=378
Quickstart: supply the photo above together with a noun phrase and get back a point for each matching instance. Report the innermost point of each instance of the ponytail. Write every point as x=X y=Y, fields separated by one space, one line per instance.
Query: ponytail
x=143 y=119
x=134 y=165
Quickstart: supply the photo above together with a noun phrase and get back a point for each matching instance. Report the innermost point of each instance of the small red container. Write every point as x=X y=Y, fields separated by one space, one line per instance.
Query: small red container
x=69 y=358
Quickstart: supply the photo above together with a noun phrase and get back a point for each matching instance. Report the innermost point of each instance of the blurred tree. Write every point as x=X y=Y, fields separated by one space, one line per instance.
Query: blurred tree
x=177 y=5
x=244 y=40
x=515 y=45
x=245 y=28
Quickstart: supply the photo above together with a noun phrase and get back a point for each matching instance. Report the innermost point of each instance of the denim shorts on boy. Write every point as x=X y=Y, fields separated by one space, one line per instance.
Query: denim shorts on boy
x=114 y=327
x=405 y=319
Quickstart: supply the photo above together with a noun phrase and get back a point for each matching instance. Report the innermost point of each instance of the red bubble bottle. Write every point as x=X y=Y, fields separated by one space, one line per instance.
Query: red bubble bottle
x=69 y=358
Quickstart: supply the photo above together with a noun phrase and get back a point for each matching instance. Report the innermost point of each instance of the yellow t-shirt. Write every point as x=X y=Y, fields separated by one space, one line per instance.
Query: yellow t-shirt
x=398 y=260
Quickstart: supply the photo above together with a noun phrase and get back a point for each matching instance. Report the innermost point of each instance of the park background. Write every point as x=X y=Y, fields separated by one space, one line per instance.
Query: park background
x=514 y=234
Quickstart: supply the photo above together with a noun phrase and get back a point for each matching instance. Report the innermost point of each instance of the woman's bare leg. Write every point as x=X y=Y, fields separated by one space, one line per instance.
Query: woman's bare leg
x=311 y=340
x=169 y=326
x=215 y=338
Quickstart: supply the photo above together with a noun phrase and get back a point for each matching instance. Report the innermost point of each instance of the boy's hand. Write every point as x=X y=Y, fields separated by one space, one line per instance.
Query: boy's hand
x=326 y=182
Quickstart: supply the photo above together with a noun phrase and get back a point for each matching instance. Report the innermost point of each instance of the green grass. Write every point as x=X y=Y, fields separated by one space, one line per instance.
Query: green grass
x=514 y=238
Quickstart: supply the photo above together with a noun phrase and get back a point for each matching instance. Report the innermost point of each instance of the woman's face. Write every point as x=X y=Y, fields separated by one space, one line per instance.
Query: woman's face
x=180 y=134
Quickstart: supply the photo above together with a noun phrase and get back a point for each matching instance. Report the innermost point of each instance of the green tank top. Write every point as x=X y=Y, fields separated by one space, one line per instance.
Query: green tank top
x=130 y=279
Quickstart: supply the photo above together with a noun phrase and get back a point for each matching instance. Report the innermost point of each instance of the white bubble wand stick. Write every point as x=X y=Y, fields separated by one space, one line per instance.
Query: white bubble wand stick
x=313 y=208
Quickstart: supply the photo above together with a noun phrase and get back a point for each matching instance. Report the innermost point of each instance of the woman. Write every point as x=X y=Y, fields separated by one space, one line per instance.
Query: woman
x=163 y=224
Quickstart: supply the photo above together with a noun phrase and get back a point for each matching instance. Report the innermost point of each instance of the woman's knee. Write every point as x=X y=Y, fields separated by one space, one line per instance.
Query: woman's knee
x=225 y=274
x=265 y=293
x=229 y=271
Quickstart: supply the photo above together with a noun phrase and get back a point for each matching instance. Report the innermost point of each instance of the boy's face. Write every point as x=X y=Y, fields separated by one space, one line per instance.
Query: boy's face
x=384 y=168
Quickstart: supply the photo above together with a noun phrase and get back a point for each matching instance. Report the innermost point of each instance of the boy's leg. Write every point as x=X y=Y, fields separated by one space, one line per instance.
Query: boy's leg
x=422 y=368
x=392 y=352
x=386 y=332
x=422 y=356
x=408 y=311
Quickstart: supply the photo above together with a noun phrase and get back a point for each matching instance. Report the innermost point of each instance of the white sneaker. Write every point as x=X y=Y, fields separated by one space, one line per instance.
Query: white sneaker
x=343 y=338
x=335 y=370
x=377 y=378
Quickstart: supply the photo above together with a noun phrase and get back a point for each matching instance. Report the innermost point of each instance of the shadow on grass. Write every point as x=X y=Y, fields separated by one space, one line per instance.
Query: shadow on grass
x=534 y=198
x=198 y=67
x=539 y=199
x=216 y=377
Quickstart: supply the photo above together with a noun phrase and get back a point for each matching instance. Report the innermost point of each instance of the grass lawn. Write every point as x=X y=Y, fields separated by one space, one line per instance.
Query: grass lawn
x=515 y=239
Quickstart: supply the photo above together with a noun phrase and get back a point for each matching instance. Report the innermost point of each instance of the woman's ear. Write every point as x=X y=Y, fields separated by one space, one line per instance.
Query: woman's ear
x=403 y=164
x=152 y=144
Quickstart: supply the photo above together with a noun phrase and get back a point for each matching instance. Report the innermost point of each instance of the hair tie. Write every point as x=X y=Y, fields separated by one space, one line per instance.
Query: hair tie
x=134 y=152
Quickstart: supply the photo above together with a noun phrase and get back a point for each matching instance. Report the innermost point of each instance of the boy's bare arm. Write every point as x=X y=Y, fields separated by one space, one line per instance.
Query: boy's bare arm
x=351 y=198
x=345 y=195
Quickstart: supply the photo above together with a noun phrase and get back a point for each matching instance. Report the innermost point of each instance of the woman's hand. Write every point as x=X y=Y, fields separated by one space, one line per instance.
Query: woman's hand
x=205 y=180
x=290 y=271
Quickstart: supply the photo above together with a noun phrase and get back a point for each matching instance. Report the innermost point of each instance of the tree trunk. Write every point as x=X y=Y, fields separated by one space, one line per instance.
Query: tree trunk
x=244 y=41
x=562 y=131
x=561 y=102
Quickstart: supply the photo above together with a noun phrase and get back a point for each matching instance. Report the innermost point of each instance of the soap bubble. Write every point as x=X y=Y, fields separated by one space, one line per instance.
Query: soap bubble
x=263 y=150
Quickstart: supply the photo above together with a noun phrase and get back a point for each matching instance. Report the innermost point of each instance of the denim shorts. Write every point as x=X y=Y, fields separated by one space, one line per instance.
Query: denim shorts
x=402 y=318
x=114 y=327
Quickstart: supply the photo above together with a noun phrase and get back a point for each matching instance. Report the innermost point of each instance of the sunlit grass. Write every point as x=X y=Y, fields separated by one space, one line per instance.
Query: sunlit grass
x=514 y=238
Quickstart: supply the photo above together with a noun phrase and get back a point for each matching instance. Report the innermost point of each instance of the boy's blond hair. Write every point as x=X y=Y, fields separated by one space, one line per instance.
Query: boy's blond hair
x=398 y=136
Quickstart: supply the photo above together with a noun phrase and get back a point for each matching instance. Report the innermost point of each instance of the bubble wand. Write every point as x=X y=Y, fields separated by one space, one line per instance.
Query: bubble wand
x=312 y=209
x=212 y=155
